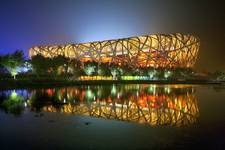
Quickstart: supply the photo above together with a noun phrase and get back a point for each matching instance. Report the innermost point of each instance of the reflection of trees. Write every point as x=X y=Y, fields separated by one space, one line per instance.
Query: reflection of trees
x=152 y=104
x=13 y=104
x=41 y=98
x=155 y=105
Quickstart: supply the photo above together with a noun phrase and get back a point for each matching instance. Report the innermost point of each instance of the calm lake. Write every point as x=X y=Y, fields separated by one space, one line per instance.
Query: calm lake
x=126 y=116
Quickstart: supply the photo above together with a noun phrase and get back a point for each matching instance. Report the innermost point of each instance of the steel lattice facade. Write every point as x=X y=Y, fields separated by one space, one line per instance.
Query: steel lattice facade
x=157 y=50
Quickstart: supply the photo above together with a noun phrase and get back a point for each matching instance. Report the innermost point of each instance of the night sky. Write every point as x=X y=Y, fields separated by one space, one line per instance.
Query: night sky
x=25 y=23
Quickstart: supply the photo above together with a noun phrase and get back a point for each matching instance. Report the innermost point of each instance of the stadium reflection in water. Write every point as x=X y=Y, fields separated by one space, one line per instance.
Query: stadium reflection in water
x=174 y=105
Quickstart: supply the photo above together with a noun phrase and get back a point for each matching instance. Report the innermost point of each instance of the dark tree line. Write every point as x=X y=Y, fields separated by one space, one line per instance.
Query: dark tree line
x=74 y=68
x=61 y=65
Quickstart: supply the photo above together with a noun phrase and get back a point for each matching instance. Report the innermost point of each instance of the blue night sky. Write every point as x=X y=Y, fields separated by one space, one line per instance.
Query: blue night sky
x=25 y=23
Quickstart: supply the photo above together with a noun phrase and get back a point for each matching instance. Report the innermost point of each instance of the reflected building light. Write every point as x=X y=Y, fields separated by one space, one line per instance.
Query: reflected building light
x=154 y=89
x=167 y=89
x=154 y=104
x=113 y=90
x=118 y=95
x=138 y=86
x=99 y=93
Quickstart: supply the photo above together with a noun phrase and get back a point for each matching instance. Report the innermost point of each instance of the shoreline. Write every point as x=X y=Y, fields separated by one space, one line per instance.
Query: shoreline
x=40 y=83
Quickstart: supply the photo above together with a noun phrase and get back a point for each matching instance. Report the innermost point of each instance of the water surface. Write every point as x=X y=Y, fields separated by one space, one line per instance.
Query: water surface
x=128 y=116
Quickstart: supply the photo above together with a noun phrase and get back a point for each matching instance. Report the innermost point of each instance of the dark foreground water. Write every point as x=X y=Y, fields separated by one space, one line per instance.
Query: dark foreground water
x=128 y=116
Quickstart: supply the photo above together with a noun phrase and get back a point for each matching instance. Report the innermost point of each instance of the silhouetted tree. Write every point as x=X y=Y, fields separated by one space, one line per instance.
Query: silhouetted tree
x=59 y=62
x=103 y=69
x=40 y=64
x=90 y=68
x=74 y=67
x=115 y=70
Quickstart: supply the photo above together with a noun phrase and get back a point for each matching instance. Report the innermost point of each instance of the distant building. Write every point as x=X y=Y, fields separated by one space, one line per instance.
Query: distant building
x=157 y=50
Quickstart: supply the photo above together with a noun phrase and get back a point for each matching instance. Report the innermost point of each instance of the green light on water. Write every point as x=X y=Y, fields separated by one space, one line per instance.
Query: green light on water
x=113 y=90
x=89 y=94
x=167 y=89
x=150 y=89
x=13 y=95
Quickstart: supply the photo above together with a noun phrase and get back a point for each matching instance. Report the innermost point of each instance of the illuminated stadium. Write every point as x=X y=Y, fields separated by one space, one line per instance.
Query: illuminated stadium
x=156 y=50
